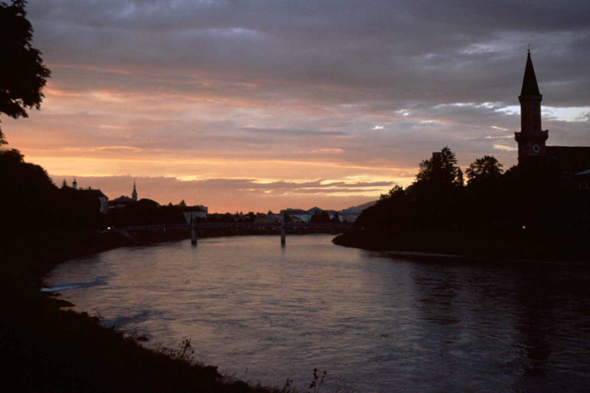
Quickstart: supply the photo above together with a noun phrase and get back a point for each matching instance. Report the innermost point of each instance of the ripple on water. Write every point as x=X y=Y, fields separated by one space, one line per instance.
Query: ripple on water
x=373 y=321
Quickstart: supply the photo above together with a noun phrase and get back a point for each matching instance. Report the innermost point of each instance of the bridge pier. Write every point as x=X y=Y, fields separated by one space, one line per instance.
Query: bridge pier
x=283 y=237
x=193 y=232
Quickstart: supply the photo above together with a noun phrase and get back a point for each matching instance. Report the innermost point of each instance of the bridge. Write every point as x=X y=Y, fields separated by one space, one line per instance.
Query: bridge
x=246 y=227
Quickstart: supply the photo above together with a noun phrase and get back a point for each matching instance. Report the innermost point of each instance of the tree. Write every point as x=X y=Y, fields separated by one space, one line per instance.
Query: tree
x=396 y=190
x=436 y=194
x=484 y=170
x=320 y=217
x=441 y=169
x=22 y=73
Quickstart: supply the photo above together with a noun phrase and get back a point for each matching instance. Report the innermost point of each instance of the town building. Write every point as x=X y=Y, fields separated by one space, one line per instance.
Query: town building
x=296 y=215
x=122 y=201
x=102 y=198
x=89 y=194
x=348 y=215
x=195 y=212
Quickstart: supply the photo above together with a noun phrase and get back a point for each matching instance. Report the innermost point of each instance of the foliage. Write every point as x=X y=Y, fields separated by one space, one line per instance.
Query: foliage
x=390 y=211
x=320 y=217
x=531 y=196
x=442 y=172
x=185 y=351
x=29 y=201
x=287 y=387
x=22 y=73
x=484 y=170
x=147 y=212
x=393 y=193
x=316 y=382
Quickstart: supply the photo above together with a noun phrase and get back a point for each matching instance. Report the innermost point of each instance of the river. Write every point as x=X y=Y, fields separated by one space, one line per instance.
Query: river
x=374 y=322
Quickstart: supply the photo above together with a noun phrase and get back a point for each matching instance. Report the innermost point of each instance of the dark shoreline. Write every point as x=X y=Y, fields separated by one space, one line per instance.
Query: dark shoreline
x=507 y=247
x=51 y=349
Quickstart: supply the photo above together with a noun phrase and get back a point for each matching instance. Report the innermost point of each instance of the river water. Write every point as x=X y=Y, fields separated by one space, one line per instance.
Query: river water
x=374 y=322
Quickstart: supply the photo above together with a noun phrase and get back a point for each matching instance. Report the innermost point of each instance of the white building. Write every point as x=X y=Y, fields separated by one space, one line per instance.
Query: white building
x=192 y=212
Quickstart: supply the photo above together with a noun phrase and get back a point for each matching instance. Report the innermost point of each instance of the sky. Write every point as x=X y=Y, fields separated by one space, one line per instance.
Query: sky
x=261 y=105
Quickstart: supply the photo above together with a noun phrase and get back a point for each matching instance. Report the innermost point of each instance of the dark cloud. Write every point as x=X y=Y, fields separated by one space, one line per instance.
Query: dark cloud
x=439 y=52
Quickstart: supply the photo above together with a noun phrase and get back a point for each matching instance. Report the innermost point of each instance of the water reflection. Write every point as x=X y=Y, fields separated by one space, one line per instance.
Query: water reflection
x=375 y=322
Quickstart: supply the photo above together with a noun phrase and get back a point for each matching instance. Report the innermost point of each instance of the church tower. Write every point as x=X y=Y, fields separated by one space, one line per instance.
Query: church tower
x=134 y=193
x=531 y=138
x=75 y=184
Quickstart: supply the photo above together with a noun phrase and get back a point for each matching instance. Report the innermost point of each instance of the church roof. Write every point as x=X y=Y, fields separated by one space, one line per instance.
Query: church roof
x=122 y=199
x=571 y=159
x=529 y=83
x=94 y=193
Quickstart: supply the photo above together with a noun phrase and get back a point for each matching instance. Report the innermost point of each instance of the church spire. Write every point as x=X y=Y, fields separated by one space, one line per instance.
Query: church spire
x=531 y=138
x=529 y=83
x=134 y=193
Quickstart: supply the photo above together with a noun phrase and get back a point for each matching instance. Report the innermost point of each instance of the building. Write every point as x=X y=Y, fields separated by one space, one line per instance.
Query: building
x=195 y=212
x=102 y=198
x=297 y=215
x=570 y=161
x=268 y=218
x=89 y=194
x=122 y=201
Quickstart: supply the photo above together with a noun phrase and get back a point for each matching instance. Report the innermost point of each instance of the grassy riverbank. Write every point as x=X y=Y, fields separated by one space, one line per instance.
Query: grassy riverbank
x=46 y=349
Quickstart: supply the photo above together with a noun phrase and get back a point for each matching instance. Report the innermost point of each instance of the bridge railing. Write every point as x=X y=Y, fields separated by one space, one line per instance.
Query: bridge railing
x=244 y=225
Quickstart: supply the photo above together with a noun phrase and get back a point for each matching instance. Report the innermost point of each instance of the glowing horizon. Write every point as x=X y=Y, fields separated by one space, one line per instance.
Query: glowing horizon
x=213 y=101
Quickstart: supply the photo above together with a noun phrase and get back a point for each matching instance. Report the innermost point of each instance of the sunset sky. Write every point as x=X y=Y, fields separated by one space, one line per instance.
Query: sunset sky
x=258 y=105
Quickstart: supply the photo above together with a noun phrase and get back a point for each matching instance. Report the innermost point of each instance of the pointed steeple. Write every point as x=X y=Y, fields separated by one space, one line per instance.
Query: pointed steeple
x=75 y=184
x=134 y=193
x=529 y=83
x=531 y=138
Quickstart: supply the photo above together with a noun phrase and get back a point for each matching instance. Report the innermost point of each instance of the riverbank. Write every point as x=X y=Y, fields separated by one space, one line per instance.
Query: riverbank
x=47 y=349
x=507 y=245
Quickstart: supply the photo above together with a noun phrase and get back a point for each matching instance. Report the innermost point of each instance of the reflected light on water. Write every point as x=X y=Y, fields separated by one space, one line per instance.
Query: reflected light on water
x=374 y=322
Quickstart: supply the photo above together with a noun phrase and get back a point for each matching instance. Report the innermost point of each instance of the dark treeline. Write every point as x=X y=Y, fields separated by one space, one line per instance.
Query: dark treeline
x=147 y=212
x=529 y=211
x=29 y=201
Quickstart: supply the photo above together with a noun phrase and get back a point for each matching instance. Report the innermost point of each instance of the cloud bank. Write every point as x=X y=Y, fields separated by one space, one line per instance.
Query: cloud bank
x=296 y=91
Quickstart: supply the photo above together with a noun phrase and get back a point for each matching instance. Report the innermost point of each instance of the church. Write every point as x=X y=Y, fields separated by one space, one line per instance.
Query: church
x=573 y=162
x=123 y=201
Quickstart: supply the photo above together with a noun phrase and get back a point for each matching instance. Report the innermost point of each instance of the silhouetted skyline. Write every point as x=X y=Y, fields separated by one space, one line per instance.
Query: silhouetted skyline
x=263 y=105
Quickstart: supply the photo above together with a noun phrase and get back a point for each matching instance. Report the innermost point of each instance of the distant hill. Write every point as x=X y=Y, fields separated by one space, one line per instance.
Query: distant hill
x=361 y=207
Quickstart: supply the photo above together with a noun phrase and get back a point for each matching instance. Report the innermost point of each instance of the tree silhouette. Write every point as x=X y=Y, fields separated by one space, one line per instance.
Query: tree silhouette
x=484 y=170
x=320 y=217
x=22 y=73
x=441 y=169
x=392 y=193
